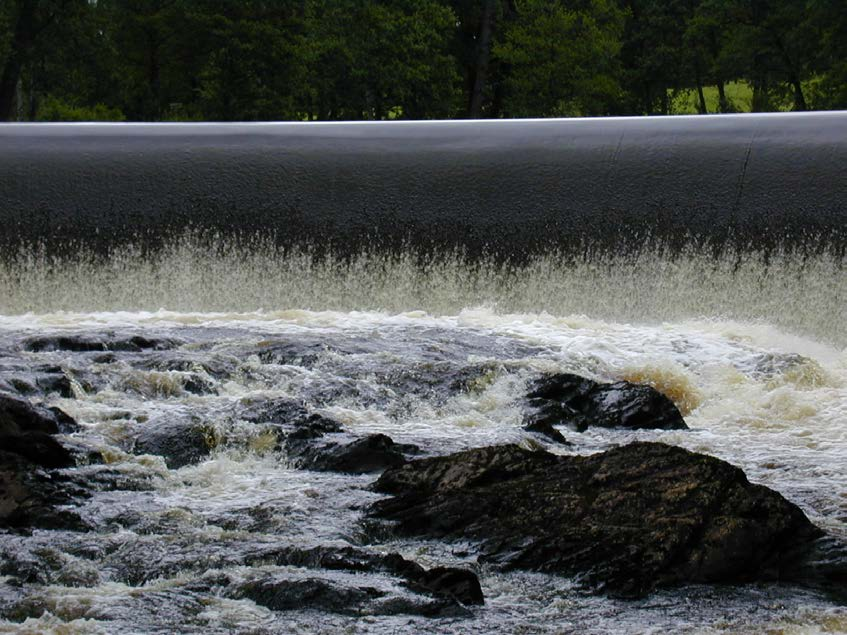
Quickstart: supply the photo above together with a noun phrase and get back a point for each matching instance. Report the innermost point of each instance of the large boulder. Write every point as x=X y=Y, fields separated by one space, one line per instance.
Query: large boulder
x=623 y=522
x=579 y=402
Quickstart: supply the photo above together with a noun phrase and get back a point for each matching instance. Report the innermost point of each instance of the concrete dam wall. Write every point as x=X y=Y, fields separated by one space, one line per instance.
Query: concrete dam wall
x=509 y=188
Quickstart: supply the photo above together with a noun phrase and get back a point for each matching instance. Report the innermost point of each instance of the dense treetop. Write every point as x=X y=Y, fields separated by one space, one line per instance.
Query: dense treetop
x=152 y=60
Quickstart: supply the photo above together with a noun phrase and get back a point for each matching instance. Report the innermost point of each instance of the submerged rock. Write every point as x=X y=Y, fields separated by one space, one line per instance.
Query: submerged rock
x=451 y=583
x=98 y=343
x=451 y=588
x=623 y=522
x=578 y=402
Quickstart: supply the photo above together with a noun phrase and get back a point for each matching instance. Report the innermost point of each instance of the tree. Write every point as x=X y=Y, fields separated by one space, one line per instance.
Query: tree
x=562 y=58
x=372 y=60
x=29 y=23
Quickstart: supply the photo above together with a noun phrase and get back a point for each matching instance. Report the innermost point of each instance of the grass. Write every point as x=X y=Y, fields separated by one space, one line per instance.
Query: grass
x=739 y=95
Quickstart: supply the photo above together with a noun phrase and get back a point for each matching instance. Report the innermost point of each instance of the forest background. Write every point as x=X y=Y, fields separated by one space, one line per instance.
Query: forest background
x=231 y=60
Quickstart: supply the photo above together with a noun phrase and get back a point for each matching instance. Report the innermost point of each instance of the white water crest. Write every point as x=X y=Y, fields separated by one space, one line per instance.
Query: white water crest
x=806 y=295
x=751 y=349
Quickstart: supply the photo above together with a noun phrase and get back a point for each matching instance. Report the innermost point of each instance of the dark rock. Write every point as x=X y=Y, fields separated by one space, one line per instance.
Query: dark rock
x=302 y=437
x=824 y=566
x=179 y=443
x=22 y=386
x=546 y=427
x=216 y=366
x=579 y=403
x=97 y=343
x=25 y=430
x=304 y=354
x=18 y=416
x=290 y=414
x=28 y=495
x=49 y=379
x=313 y=426
x=58 y=383
x=82 y=453
x=66 y=423
x=458 y=584
x=449 y=583
x=198 y=385
x=38 y=448
x=368 y=454
x=31 y=497
x=436 y=379
x=281 y=594
x=624 y=522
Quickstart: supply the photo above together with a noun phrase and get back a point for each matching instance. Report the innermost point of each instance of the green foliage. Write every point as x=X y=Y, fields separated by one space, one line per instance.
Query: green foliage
x=54 y=109
x=248 y=60
x=562 y=57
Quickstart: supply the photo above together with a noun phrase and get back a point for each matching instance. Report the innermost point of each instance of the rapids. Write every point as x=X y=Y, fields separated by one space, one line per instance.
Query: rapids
x=750 y=347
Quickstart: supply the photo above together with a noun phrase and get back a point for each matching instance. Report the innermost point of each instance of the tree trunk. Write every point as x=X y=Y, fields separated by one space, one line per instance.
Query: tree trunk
x=704 y=110
x=483 y=57
x=761 y=99
x=153 y=77
x=723 y=104
x=799 y=99
x=794 y=80
x=21 y=44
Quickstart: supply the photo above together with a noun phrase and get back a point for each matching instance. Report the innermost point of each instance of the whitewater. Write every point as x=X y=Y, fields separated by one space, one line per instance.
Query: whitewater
x=751 y=347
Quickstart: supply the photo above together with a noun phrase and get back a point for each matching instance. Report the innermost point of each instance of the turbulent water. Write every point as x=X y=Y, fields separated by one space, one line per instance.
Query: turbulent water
x=751 y=349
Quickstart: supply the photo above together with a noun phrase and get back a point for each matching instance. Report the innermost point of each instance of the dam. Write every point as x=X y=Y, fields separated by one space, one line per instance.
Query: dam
x=509 y=188
x=211 y=312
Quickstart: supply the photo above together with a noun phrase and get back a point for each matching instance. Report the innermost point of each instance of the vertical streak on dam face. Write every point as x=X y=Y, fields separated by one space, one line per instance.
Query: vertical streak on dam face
x=508 y=188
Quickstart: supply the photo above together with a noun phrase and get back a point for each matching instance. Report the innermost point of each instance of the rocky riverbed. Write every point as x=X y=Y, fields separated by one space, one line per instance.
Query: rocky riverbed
x=366 y=472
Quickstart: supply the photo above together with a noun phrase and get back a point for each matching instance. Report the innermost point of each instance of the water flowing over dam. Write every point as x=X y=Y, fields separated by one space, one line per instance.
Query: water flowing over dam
x=211 y=315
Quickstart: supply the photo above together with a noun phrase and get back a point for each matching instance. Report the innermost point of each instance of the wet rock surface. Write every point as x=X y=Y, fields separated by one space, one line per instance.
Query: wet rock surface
x=31 y=497
x=98 y=343
x=371 y=453
x=275 y=528
x=624 y=522
x=579 y=403
x=179 y=443
x=286 y=594
x=307 y=439
x=450 y=583
x=26 y=429
x=30 y=492
x=451 y=589
x=19 y=416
